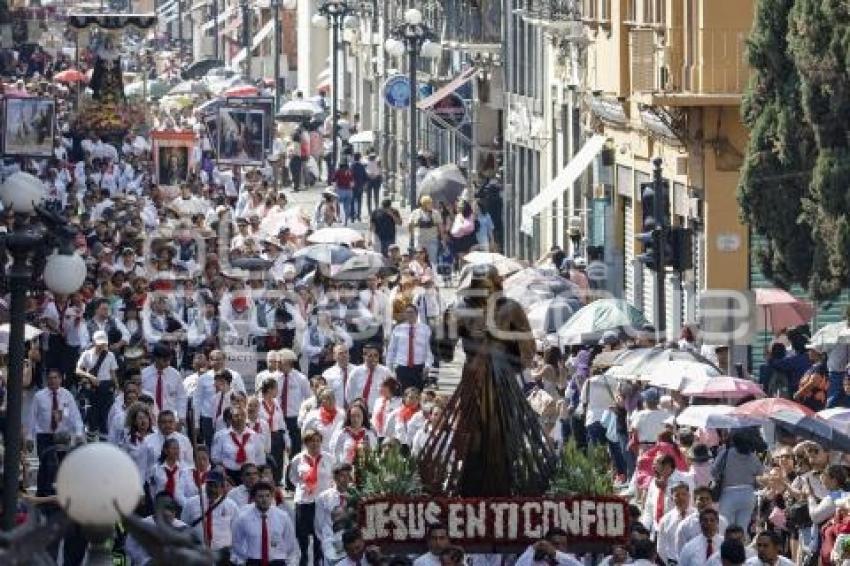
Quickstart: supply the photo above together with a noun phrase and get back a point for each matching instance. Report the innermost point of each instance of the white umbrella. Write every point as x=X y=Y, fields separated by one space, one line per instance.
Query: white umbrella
x=677 y=375
x=362 y=137
x=293 y=218
x=839 y=417
x=709 y=416
x=30 y=333
x=503 y=264
x=299 y=109
x=335 y=236
x=832 y=334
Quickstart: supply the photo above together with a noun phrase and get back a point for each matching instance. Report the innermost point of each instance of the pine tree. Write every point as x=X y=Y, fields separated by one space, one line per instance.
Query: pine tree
x=777 y=171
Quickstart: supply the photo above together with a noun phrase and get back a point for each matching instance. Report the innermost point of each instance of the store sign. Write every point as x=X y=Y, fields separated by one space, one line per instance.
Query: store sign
x=397 y=91
x=451 y=110
x=498 y=521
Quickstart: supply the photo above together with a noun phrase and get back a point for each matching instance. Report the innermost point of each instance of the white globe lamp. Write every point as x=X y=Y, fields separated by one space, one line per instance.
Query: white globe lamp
x=319 y=21
x=394 y=47
x=290 y=4
x=350 y=21
x=65 y=273
x=413 y=16
x=22 y=192
x=97 y=484
x=431 y=49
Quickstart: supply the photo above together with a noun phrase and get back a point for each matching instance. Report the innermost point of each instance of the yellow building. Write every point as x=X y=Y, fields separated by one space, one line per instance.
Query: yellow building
x=664 y=78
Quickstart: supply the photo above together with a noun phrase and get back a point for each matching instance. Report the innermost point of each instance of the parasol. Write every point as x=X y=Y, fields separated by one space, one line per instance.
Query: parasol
x=678 y=375
x=298 y=111
x=293 y=218
x=189 y=88
x=331 y=254
x=70 y=76
x=711 y=416
x=779 y=309
x=643 y=361
x=241 y=90
x=445 y=183
x=335 y=236
x=831 y=335
x=547 y=316
x=30 y=333
x=763 y=408
x=592 y=320
x=359 y=266
x=503 y=264
x=724 y=387
x=811 y=427
x=839 y=417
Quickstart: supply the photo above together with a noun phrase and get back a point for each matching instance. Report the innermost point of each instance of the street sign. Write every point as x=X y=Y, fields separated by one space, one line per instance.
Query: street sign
x=451 y=110
x=397 y=92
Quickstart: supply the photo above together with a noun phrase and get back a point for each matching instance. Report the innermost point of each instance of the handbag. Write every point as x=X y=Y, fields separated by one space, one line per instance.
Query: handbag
x=716 y=485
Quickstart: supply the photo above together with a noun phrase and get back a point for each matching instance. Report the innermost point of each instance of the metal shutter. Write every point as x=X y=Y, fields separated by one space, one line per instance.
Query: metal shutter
x=629 y=250
x=648 y=305
x=642 y=60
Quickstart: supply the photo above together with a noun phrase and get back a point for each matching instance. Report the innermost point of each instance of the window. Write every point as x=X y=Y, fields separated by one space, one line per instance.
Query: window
x=605 y=10
x=631 y=13
x=589 y=9
x=654 y=11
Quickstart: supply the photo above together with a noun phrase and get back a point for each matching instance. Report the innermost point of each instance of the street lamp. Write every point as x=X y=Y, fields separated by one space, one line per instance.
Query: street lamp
x=415 y=38
x=276 y=5
x=335 y=14
x=117 y=490
x=64 y=272
x=246 y=35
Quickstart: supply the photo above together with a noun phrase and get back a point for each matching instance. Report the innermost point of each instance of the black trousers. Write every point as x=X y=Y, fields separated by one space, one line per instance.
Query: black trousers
x=294 y=443
x=410 y=376
x=305 y=515
x=102 y=398
x=276 y=461
x=357 y=205
x=257 y=562
x=207 y=430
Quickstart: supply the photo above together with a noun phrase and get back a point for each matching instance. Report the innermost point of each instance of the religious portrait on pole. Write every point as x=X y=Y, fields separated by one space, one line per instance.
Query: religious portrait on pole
x=241 y=135
x=172 y=154
x=28 y=128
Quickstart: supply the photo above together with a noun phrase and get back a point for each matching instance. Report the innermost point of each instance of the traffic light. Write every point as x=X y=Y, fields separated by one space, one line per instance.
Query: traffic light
x=654 y=220
x=681 y=245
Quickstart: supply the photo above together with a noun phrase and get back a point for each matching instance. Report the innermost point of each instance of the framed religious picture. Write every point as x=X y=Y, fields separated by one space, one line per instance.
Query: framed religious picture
x=241 y=135
x=211 y=127
x=266 y=103
x=29 y=126
x=173 y=158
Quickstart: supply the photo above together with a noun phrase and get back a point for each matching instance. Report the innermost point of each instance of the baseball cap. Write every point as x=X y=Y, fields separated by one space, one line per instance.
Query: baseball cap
x=100 y=338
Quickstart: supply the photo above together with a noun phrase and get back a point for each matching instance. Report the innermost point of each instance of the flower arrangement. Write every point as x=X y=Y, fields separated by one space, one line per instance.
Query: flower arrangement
x=583 y=471
x=386 y=472
x=108 y=118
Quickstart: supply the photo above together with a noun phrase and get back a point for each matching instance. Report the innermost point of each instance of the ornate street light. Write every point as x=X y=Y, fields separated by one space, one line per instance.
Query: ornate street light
x=414 y=38
x=276 y=6
x=336 y=14
x=64 y=272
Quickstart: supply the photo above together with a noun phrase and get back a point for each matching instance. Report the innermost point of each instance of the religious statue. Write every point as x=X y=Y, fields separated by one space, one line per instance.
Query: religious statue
x=107 y=82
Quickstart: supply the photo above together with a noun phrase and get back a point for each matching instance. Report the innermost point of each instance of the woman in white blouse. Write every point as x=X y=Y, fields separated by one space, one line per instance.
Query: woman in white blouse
x=354 y=436
x=327 y=418
x=139 y=424
x=387 y=402
x=311 y=471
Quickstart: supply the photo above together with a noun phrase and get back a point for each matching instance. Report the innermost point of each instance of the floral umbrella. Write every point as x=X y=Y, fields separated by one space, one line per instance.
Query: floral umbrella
x=70 y=76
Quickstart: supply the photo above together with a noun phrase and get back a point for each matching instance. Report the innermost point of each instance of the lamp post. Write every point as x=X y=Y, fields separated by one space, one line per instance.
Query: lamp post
x=246 y=35
x=64 y=273
x=414 y=38
x=214 y=9
x=334 y=14
x=276 y=5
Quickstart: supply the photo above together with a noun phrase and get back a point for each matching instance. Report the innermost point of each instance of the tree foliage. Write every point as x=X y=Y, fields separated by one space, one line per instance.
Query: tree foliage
x=794 y=183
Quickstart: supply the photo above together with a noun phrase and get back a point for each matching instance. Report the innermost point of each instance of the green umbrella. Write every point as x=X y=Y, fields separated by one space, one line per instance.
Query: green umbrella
x=591 y=321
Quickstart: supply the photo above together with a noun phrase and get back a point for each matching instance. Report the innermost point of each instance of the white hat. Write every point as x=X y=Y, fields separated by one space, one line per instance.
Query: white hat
x=287 y=355
x=100 y=338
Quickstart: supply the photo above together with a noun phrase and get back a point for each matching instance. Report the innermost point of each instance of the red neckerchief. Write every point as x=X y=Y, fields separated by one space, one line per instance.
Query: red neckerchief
x=241 y=454
x=269 y=407
x=326 y=415
x=381 y=413
x=311 y=478
x=359 y=438
x=171 y=478
x=407 y=411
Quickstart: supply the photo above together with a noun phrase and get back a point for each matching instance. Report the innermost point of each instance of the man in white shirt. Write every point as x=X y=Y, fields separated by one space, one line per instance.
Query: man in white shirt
x=166 y=508
x=53 y=411
x=689 y=527
x=332 y=498
x=263 y=533
x=666 y=535
x=648 y=423
x=768 y=545
x=272 y=370
x=596 y=396
x=211 y=513
x=294 y=388
x=205 y=396
x=355 y=548
x=731 y=535
x=99 y=368
x=152 y=444
x=438 y=540
x=241 y=494
x=551 y=550
x=165 y=382
x=365 y=382
x=699 y=549
x=659 y=497
x=338 y=374
x=237 y=445
x=409 y=352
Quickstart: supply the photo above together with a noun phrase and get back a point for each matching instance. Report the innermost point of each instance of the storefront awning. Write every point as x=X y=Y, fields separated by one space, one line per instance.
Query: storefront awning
x=221 y=19
x=561 y=183
x=447 y=89
x=264 y=32
x=167 y=6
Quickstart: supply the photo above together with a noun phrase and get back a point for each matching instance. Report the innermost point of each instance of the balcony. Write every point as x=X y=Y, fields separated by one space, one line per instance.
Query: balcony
x=677 y=67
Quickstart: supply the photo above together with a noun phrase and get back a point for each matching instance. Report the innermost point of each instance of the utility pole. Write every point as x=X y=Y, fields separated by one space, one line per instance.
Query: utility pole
x=660 y=234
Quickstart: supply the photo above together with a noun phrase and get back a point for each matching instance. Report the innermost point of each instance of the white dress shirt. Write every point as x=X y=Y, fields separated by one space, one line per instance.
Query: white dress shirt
x=597 y=395
x=561 y=559
x=404 y=431
x=298 y=469
x=204 y=400
x=247 y=534
x=399 y=341
x=427 y=559
x=158 y=479
x=689 y=529
x=780 y=561
x=264 y=376
x=173 y=393
x=666 y=536
x=651 y=500
x=41 y=413
x=380 y=414
x=313 y=420
x=326 y=502
x=695 y=552
x=358 y=379
x=272 y=415
x=338 y=378
x=344 y=446
x=297 y=388
x=223 y=515
x=88 y=360
x=261 y=427
x=152 y=448
x=224 y=449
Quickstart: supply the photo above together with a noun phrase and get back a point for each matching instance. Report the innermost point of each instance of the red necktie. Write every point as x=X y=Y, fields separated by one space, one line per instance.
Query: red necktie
x=208 y=526
x=159 y=390
x=171 y=479
x=284 y=395
x=341 y=500
x=241 y=455
x=54 y=412
x=344 y=385
x=659 y=501
x=709 y=548
x=368 y=387
x=264 y=540
x=270 y=412
x=410 y=346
